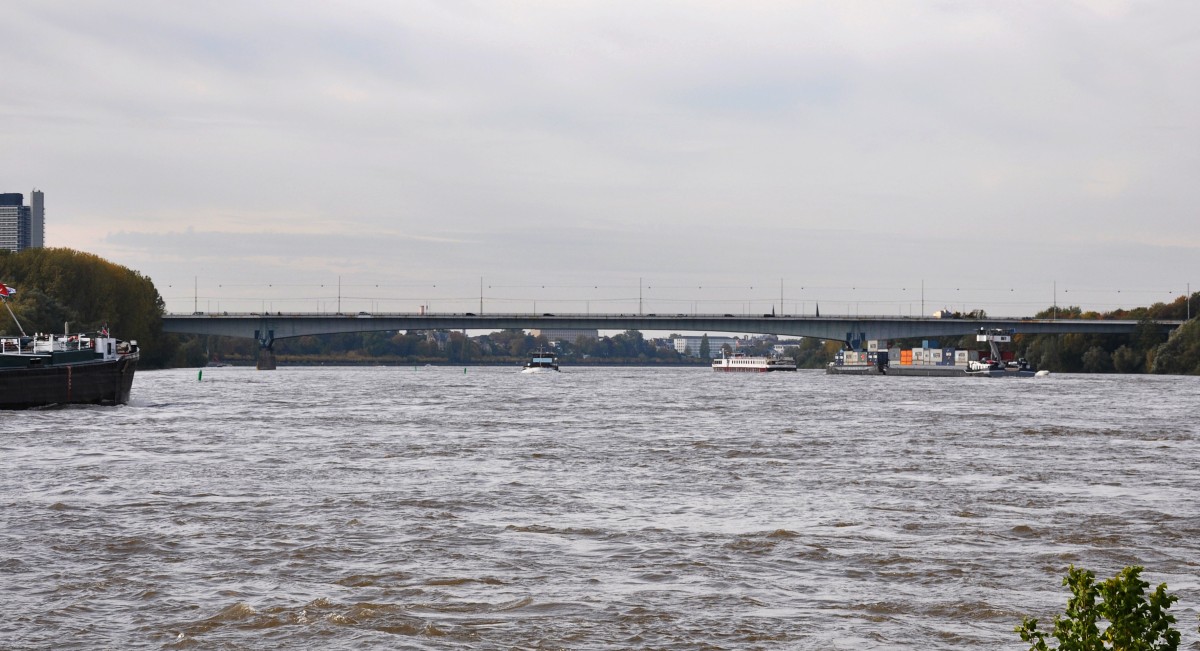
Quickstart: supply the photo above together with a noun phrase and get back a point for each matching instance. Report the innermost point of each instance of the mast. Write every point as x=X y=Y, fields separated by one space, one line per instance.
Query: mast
x=14 y=316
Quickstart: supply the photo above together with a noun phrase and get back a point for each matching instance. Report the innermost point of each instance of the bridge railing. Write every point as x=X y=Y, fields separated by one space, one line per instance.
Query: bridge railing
x=595 y=315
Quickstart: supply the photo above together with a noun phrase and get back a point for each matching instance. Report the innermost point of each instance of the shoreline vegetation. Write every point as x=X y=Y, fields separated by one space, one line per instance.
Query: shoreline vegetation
x=60 y=285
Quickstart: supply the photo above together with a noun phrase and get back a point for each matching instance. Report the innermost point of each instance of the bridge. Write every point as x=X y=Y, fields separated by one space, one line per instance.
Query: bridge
x=854 y=331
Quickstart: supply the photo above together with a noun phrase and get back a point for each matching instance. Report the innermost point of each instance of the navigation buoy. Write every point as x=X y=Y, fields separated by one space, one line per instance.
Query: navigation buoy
x=200 y=376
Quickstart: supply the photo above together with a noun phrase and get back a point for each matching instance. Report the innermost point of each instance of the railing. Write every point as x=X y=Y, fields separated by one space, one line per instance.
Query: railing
x=44 y=344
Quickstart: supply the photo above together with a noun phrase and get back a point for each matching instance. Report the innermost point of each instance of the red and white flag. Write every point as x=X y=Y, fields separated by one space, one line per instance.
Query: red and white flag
x=6 y=291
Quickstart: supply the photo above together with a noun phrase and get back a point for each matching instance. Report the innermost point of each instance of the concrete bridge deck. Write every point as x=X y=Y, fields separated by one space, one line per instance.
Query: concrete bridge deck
x=855 y=331
x=267 y=327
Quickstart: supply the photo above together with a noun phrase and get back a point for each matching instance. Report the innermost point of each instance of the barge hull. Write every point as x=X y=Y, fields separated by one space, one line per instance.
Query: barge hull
x=752 y=370
x=96 y=383
x=923 y=371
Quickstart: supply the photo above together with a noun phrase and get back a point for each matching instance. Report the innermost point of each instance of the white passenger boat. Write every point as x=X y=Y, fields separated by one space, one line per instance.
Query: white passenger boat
x=739 y=362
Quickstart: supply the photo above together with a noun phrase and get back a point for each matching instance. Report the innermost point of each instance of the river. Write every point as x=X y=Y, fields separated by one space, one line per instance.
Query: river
x=599 y=508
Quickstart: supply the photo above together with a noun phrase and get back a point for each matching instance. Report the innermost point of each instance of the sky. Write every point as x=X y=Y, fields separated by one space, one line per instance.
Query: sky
x=867 y=157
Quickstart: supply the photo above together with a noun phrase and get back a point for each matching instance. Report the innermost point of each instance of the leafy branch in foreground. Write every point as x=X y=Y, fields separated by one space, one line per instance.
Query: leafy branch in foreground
x=1134 y=623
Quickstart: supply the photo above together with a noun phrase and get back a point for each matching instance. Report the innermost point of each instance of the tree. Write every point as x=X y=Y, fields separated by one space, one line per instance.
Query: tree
x=1134 y=623
x=1128 y=360
x=705 y=351
x=1097 y=360
x=1181 y=353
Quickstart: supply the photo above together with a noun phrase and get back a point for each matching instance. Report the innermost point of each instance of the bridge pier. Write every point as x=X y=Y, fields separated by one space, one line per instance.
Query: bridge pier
x=266 y=354
x=266 y=359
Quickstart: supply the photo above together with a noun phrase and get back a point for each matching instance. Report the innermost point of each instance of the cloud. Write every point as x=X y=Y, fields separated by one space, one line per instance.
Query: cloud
x=616 y=138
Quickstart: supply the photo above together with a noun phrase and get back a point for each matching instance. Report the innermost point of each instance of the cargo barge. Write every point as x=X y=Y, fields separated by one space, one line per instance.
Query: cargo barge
x=45 y=369
x=930 y=360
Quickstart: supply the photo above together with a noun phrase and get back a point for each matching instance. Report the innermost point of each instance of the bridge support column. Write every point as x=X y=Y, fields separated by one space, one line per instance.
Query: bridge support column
x=266 y=355
x=266 y=359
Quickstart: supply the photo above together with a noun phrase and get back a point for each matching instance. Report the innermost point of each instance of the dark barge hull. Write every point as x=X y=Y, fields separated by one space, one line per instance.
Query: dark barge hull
x=90 y=382
x=923 y=371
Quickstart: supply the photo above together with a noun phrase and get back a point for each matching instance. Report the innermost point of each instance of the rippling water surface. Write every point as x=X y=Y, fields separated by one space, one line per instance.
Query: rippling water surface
x=351 y=508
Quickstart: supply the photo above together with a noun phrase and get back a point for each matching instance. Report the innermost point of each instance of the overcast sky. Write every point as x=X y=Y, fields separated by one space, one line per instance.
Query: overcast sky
x=248 y=154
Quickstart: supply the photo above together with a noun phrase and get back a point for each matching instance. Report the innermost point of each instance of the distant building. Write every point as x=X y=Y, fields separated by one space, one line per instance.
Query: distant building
x=568 y=335
x=438 y=338
x=22 y=227
x=690 y=346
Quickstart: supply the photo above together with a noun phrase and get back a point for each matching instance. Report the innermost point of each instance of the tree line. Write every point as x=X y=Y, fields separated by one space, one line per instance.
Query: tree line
x=452 y=347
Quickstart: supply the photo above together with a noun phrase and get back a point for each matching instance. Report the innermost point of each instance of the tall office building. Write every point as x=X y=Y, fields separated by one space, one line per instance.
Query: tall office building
x=21 y=226
x=37 y=219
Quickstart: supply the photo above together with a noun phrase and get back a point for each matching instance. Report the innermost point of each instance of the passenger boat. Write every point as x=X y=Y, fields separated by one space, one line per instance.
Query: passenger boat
x=541 y=361
x=739 y=362
x=81 y=368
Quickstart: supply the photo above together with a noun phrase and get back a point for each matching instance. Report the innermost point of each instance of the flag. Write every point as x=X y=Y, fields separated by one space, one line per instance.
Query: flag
x=6 y=291
x=104 y=331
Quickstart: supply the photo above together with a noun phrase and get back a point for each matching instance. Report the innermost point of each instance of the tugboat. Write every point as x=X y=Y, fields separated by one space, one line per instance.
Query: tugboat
x=541 y=361
x=81 y=368
x=994 y=366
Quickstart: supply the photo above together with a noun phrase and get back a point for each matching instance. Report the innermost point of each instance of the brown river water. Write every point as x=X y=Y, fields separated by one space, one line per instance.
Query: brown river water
x=612 y=508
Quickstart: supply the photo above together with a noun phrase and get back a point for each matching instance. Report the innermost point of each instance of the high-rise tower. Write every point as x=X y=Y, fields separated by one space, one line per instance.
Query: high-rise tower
x=37 y=219
x=21 y=226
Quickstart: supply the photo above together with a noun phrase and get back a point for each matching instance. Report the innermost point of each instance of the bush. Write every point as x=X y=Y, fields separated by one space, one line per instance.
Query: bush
x=1134 y=624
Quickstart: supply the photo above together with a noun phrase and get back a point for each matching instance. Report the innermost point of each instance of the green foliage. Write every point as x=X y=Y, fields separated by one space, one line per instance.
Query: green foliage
x=1135 y=623
x=1181 y=353
x=1128 y=360
x=1136 y=352
x=705 y=351
x=1097 y=360
x=813 y=352
x=63 y=285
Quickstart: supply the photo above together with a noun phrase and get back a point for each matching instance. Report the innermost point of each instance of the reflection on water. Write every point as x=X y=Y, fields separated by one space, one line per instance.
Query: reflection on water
x=596 y=508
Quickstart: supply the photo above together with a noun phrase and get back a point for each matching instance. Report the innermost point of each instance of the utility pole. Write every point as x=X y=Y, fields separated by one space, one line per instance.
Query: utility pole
x=1055 y=307
x=639 y=296
x=922 y=297
x=481 y=296
x=780 y=297
x=339 y=295
x=195 y=294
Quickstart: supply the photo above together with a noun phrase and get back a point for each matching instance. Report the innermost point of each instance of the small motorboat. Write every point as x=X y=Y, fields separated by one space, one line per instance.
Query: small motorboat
x=541 y=361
